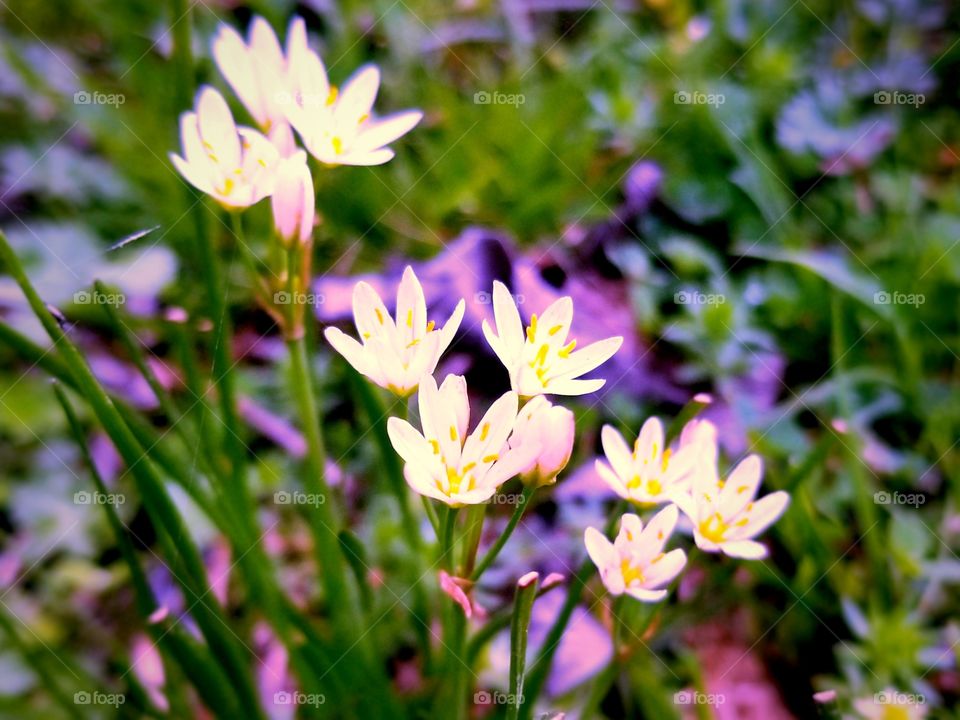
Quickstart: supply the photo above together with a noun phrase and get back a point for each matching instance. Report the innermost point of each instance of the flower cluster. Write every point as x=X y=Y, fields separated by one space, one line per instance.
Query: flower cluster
x=282 y=89
x=446 y=461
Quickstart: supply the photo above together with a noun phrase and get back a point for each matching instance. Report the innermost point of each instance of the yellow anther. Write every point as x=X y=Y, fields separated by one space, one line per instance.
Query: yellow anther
x=332 y=95
x=541 y=357
x=630 y=573
x=565 y=351
x=532 y=330
x=714 y=528
x=453 y=433
x=555 y=329
x=430 y=326
x=484 y=431
x=491 y=458
x=379 y=315
x=338 y=146
x=409 y=318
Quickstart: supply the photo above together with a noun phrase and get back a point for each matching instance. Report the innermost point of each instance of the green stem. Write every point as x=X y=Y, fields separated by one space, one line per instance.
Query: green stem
x=174 y=536
x=497 y=546
x=519 y=629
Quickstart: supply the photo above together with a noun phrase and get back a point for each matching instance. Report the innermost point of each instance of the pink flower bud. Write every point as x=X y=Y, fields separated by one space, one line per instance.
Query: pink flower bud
x=293 y=200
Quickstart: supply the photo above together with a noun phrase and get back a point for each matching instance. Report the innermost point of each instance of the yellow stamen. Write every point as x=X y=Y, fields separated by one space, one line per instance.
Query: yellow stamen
x=453 y=433
x=363 y=118
x=338 y=146
x=565 y=351
x=654 y=487
x=541 y=357
x=332 y=95
x=409 y=318
x=630 y=573
x=532 y=330
x=436 y=447
x=379 y=315
x=484 y=430
x=666 y=458
x=491 y=458
x=555 y=329
x=430 y=326
x=714 y=528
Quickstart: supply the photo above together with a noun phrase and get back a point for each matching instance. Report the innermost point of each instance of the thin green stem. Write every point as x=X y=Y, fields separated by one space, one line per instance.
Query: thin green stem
x=497 y=546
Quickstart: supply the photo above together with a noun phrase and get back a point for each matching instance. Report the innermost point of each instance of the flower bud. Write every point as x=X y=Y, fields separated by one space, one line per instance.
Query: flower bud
x=552 y=428
x=293 y=200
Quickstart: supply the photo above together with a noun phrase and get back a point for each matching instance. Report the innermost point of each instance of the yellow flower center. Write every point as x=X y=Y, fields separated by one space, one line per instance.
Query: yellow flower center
x=631 y=573
x=714 y=528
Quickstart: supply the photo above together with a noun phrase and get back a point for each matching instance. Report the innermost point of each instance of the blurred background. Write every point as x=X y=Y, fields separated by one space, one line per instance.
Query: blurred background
x=763 y=197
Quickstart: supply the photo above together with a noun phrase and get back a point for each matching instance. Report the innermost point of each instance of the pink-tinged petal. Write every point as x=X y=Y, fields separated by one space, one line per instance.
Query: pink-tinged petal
x=590 y=357
x=360 y=159
x=237 y=67
x=453 y=391
x=494 y=428
x=572 y=388
x=612 y=479
x=450 y=328
x=193 y=150
x=423 y=483
x=649 y=444
x=218 y=131
x=761 y=515
x=375 y=134
x=409 y=444
x=631 y=528
x=617 y=452
x=369 y=312
x=293 y=200
x=192 y=174
x=554 y=324
x=646 y=595
x=451 y=588
x=745 y=550
x=664 y=569
x=741 y=486
x=478 y=495
x=281 y=137
x=512 y=463
x=687 y=506
x=660 y=528
x=439 y=417
x=600 y=549
x=357 y=96
x=703 y=543
x=422 y=362
x=509 y=326
x=353 y=352
x=411 y=307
